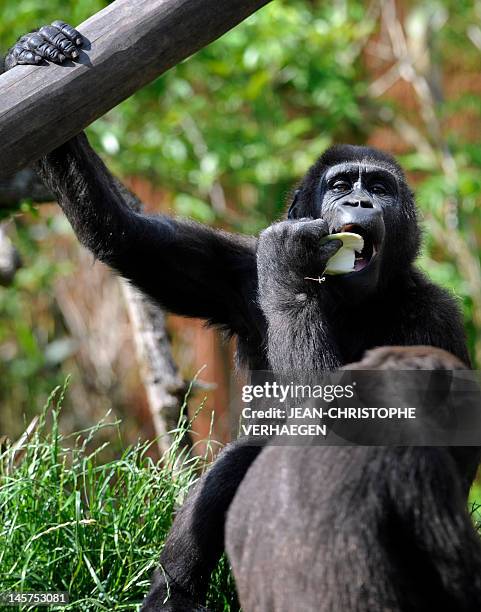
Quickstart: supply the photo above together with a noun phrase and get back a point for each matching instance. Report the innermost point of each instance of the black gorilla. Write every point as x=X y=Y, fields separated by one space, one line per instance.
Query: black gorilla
x=360 y=529
x=260 y=291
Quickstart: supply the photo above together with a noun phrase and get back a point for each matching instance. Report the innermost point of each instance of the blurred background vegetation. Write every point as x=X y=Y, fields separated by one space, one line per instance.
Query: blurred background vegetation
x=222 y=138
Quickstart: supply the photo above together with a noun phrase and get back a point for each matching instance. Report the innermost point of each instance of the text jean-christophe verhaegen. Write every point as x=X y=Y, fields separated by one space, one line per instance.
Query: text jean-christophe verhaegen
x=277 y=409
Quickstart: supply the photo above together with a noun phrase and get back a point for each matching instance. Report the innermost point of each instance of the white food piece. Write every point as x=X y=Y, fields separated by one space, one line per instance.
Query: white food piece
x=343 y=260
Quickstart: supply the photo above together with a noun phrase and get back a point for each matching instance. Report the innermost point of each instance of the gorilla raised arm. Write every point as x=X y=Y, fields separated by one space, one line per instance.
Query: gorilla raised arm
x=188 y=268
x=263 y=292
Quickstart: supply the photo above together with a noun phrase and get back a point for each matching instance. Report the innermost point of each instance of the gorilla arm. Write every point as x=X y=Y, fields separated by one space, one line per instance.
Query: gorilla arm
x=299 y=337
x=196 y=540
x=188 y=268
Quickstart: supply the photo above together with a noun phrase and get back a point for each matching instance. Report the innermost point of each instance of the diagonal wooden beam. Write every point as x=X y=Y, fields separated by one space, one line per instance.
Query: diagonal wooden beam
x=129 y=43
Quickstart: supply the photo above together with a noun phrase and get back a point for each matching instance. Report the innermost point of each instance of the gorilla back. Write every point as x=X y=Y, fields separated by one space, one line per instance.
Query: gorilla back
x=362 y=528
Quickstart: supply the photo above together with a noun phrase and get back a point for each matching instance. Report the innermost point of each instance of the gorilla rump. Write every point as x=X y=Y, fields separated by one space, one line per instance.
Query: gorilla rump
x=258 y=290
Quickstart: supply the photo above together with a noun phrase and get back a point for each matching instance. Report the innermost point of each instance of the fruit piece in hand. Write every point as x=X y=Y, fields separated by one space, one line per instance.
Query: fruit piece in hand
x=343 y=260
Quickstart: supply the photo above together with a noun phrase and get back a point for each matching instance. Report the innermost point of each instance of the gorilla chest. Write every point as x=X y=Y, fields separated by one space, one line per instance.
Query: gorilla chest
x=356 y=331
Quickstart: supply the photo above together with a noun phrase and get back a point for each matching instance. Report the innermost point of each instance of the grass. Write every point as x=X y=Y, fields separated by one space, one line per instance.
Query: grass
x=70 y=522
x=474 y=503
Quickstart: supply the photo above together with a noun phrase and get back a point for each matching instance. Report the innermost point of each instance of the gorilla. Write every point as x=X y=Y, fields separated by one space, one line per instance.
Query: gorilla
x=269 y=293
x=364 y=528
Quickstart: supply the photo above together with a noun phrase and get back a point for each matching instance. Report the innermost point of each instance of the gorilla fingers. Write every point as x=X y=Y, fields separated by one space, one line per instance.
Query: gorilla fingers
x=287 y=253
x=54 y=43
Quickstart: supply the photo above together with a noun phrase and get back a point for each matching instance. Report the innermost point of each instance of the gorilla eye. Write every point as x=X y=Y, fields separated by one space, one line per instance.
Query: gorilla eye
x=341 y=186
x=379 y=189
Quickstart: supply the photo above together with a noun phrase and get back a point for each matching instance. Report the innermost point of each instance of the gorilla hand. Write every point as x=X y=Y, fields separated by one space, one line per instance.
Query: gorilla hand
x=290 y=251
x=289 y=257
x=55 y=43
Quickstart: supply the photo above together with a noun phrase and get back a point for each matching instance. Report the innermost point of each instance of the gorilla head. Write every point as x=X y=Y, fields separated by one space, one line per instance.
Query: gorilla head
x=363 y=190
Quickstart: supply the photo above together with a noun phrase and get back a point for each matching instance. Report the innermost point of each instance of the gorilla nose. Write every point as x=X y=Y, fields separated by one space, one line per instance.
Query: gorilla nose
x=358 y=212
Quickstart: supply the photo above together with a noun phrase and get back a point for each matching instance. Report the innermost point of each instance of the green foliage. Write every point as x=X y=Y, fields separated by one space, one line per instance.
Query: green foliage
x=474 y=505
x=250 y=112
x=243 y=118
x=94 y=529
x=228 y=132
x=72 y=522
x=29 y=321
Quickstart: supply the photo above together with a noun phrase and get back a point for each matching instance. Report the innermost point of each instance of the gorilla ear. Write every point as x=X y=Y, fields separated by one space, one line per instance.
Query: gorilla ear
x=292 y=208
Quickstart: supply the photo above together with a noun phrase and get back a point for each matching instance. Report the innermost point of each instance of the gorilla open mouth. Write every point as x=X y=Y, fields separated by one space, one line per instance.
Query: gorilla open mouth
x=370 y=249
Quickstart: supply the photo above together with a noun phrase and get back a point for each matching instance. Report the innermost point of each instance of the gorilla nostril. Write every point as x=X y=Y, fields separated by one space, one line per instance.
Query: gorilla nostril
x=359 y=203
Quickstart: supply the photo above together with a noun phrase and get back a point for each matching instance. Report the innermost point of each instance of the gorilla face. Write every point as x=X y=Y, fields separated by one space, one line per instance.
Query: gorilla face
x=362 y=190
x=352 y=197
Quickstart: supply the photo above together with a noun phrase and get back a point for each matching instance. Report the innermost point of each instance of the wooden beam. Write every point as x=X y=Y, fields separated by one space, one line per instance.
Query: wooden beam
x=129 y=43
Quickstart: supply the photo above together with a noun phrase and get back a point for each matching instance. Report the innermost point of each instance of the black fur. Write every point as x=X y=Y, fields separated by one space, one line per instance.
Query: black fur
x=358 y=529
x=194 y=546
x=256 y=290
